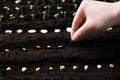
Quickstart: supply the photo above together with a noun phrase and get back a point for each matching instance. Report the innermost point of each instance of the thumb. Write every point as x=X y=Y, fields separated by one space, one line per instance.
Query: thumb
x=84 y=30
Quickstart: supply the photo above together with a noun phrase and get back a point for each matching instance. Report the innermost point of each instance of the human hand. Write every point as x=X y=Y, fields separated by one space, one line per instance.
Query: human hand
x=93 y=16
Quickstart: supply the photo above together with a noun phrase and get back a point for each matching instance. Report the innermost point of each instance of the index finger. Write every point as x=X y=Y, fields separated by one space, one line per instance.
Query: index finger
x=78 y=20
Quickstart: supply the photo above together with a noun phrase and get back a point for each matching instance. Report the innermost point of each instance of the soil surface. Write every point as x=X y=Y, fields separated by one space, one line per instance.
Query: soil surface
x=52 y=49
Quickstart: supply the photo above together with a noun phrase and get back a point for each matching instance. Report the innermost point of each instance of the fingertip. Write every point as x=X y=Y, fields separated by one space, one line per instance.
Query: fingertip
x=72 y=32
x=74 y=38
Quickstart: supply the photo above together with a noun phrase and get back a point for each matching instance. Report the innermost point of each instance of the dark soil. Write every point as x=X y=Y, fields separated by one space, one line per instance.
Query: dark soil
x=56 y=49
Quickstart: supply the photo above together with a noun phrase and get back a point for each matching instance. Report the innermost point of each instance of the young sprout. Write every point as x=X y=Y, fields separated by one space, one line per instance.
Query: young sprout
x=1 y=16
x=44 y=14
x=28 y=2
x=59 y=7
x=12 y=16
x=73 y=13
x=73 y=0
x=47 y=7
x=17 y=8
x=75 y=5
x=65 y=12
x=33 y=16
x=17 y=1
x=31 y=7
x=7 y=8
x=63 y=1
x=22 y=16
x=56 y=15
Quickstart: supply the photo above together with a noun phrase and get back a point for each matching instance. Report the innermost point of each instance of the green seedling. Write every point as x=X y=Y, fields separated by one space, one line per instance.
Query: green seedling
x=22 y=16
x=65 y=13
x=33 y=16
x=59 y=7
x=56 y=15
x=75 y=6
x=44 y=15
x=12 y=16
x=28 y=2
x=18 y=1
x=17 y=8
x=47 y=7
x=73 y=1
x=63 y=1
x=73 y=14
x=31 y=7
x=7 y=8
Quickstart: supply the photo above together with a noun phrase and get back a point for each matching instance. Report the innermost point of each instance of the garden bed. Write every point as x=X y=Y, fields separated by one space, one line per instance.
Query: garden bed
x=35 y=44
